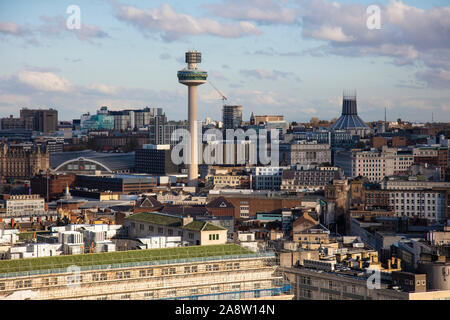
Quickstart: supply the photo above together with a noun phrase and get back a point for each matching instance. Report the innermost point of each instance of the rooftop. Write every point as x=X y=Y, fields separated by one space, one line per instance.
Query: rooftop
x=171 y=221
x=157 y=218
x=95 y=259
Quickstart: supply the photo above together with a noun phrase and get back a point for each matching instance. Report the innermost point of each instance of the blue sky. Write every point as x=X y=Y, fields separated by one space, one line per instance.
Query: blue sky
x=291 y=57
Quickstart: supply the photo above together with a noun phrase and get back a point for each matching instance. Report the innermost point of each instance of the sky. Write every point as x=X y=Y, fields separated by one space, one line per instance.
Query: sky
x=288 y=57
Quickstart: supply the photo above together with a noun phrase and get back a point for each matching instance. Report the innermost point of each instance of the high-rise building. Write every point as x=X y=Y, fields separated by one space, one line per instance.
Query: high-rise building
x=36 y=120
x=232 y=117
x=43 y=120
x=155 y=159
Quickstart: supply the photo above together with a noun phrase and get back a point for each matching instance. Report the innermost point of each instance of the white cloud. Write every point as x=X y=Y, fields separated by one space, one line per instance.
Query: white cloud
x=172 y=25
x=10 y=28
x=331 y=33
x=45 y=81
x=260 y=11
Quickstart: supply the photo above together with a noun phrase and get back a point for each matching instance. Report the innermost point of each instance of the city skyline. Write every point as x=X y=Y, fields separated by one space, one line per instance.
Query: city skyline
x=126 y=54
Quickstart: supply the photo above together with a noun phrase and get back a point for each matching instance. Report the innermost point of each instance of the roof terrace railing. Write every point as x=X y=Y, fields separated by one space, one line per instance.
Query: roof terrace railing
x=136 y=264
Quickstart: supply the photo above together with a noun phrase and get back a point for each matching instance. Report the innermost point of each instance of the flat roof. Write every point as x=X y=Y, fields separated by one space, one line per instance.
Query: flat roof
x=171 y=221
x=107 y=258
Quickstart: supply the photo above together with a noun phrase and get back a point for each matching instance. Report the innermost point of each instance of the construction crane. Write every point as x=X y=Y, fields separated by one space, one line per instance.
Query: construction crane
x=221 y=94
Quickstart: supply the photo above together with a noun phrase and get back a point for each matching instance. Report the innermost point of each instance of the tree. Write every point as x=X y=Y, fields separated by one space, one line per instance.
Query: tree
x=314 y=121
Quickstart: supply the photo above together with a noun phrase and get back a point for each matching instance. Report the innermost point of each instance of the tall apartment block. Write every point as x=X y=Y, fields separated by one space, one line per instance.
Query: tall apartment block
x=232 y=117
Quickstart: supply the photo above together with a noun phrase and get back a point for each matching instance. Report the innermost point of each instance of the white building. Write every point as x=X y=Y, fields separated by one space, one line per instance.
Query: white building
x=426 y=204
x=35 y=250
x=374 y=164
x=160 y=242
x=23 y=205
x=9 y=236
x=247 y=240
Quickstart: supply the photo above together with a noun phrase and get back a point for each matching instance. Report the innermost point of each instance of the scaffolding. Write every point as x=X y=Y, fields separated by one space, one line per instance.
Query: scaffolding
x=202 y=272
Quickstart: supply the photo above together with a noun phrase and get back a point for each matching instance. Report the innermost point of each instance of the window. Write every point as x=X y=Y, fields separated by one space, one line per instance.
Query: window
x=215 y=288
x=194 y=291
x=19 y=284
x=229 y=266
x=305 y=280
x=127 y=275
x=187 y=269
x=142 y=273
x=149 y=295
x=165 y=271
x=2 y=286
x=171 y=292
x=191 y=235
x=103 y=277
x=173 y=270
x=215 y=267
x=27 y=284
x=170 y=232
x=237 y=265
x=95 y=277
x=160 y=230
x=194 y=269
x=119 y=275
x=125 y=297
x=208 y=267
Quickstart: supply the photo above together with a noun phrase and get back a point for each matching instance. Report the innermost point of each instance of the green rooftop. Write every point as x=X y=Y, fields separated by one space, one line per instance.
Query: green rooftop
x=95 y=259
x=157 y=218
x=212 y=227
x=163 y=220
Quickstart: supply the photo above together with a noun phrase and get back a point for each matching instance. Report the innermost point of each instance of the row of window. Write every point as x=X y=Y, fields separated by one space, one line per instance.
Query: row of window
x=123 y=275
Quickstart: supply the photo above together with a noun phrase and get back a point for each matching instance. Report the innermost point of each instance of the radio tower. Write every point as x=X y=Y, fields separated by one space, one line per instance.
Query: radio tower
x=193 y=77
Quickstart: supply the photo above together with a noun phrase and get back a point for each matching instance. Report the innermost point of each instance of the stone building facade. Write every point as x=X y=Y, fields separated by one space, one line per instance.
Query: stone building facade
x=21 y=163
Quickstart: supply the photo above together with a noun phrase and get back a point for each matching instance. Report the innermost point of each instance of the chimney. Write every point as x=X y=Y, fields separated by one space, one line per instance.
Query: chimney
x=187 y=220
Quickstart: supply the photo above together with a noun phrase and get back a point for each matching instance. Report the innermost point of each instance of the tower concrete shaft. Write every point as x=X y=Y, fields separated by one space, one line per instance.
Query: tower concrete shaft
x=192 y=110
